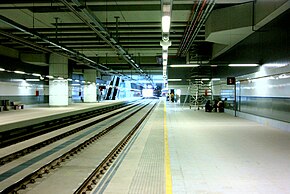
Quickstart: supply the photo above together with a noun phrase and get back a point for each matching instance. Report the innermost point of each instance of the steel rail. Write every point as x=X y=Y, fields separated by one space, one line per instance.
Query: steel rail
x=13 y=156
x=31 y=178
x=96 y=175
x=16 y=135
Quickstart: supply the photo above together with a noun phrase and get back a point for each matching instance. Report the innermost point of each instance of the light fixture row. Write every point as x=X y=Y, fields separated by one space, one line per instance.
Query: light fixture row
x=198 y=79
x=165 y=43
x=42 y=77
x=230 y=65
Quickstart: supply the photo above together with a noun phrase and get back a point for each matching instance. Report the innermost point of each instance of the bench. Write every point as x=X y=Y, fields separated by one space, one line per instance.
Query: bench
x=17 y=105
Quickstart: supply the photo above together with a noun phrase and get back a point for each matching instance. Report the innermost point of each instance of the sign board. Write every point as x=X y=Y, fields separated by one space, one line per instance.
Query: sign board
x=231 y=80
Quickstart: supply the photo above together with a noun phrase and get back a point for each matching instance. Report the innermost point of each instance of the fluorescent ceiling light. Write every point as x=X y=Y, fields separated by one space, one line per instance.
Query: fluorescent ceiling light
x=164 y=55
x=213 y=65
x=36 y=74
x=166 y=7
x=174 y=80
x=205 y=79
x=69 y=79
x=243 y=65
x=275 y=65
x=165 y=49
x=185 y=65
x=49 y=76
x=19 y=72
x=60 y=78
x=165 y=44
x=18 y=80
x=215 y=79
x=32 y=80
x=283 y=76
x=165 y=23
x=1 y=69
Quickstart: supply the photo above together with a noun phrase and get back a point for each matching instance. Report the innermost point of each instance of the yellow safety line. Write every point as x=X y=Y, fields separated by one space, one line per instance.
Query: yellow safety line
x=167 y=157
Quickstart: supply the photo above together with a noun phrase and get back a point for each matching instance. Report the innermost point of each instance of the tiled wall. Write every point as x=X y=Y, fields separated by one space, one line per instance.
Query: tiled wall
x=265 y=93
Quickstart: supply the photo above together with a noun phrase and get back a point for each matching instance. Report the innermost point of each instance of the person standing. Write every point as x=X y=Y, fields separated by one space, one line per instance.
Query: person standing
x=220 y=106
x=208 y=106
x=172 y=97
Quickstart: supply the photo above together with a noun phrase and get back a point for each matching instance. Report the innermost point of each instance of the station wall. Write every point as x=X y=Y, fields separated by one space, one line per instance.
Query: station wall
x=24 y=92
x=265 y=93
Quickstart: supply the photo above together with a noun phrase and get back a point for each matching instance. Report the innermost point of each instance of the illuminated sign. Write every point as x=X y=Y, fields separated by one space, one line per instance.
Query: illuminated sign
x=231 y=80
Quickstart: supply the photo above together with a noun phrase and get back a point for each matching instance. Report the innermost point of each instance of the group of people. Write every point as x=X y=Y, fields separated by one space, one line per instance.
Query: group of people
x=173 y=98
x=218 y=105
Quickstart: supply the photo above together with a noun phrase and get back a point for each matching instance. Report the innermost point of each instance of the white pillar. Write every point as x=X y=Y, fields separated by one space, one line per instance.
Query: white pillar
x=70 y=94
x=58 y=88
x=90 y=90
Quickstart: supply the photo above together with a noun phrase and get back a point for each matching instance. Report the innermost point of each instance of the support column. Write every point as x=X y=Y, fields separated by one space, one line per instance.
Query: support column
x=70 y=91
x=58 y=88
x=90 y=90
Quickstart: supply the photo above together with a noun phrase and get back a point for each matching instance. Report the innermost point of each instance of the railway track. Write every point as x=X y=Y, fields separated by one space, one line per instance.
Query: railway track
x=22 y=152
x=15 y=135
x=130 y=119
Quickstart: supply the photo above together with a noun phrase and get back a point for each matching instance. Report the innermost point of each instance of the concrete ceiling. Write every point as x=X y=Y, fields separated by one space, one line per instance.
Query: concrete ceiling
x=111 y=32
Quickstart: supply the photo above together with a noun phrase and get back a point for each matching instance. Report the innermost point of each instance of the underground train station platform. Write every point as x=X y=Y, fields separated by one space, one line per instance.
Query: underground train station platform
x=30 y=114
x=185 y=151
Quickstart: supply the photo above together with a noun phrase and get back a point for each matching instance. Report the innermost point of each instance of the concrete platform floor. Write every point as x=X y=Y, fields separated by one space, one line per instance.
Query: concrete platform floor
x=216 y=153
x=210 y=153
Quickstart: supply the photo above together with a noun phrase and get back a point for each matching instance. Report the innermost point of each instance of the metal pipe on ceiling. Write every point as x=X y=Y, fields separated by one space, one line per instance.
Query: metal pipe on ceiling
x=195 y=26
x=201 y=23
x=25 y=42
x=70 y=54
x=188 y=33
x=101 y=31
x=190 y=24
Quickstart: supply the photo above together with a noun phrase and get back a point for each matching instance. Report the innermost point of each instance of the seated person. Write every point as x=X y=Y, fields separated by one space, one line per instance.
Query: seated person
x=226 y=103
x=215 y=105
x=208 y=107
x=220 y=106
